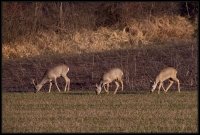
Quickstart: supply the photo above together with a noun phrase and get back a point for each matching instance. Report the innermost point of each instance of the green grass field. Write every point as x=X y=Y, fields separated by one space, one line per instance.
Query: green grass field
x=83 y=111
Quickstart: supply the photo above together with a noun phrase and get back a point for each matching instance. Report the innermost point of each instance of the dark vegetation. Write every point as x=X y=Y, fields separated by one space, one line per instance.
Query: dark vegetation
x=140 y=66
x=26 y=18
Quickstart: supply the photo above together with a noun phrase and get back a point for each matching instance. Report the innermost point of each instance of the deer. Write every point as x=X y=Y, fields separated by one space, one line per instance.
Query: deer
x=168 y=73
x=51 y=75
x=114 y=74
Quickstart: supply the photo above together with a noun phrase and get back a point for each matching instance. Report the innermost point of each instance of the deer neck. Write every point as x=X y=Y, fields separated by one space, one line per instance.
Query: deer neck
x=43 y=81
x=157 y=80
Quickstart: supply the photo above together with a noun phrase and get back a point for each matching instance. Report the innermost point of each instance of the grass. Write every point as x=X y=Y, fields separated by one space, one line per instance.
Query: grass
x=83 y=111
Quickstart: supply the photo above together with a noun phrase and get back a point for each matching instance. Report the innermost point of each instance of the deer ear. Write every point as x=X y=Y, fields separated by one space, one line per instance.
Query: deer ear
x=96 y=85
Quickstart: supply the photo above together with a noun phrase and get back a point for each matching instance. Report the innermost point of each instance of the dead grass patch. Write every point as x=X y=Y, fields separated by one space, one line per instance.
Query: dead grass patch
x=142 y=32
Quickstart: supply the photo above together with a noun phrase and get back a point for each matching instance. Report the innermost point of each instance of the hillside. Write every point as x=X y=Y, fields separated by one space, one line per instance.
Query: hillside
x=95 y=38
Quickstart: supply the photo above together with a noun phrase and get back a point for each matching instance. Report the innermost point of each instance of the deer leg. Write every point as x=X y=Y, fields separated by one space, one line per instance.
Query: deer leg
x=106 y=83
x=104 y=86
x=56 y=84
x=161 y=83
x=178 y=83
x=108 y=87
x=122 y=84
x=117 y=84
x=68 y=85
x=50 y=84
x=67 y=81
x=163 y=87
x=171 y=82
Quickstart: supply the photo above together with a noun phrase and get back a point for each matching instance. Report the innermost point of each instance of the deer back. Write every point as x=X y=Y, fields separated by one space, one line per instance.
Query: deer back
x=113 y=74
x=166 y=74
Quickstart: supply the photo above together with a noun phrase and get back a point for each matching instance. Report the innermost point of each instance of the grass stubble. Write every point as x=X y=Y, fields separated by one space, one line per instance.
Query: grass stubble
x=83 y=111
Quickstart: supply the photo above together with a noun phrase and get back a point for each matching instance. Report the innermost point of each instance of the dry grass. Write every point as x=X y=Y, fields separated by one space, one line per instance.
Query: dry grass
x=83 y=111
x=165 y=29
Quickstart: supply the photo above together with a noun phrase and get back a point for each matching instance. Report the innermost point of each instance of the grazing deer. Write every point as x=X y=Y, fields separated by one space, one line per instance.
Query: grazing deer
x=166 y=73
x=52 y=74
x=115 y=74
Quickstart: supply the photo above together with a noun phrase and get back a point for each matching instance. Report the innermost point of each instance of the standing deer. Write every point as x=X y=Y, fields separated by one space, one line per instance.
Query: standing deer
x=52 y=74
x=114 y=74
x=167 y=73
